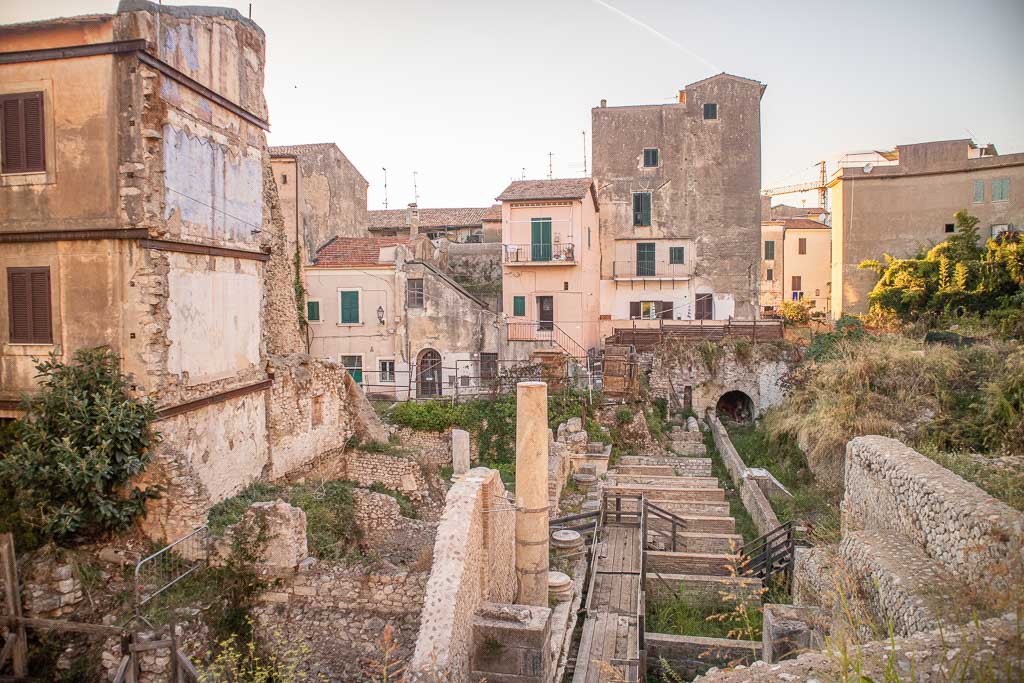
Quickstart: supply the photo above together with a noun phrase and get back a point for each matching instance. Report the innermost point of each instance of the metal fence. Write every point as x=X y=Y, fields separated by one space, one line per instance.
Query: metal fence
x=169 y=565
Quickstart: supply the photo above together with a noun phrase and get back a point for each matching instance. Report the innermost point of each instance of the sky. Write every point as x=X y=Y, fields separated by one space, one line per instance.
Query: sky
x=469 y=94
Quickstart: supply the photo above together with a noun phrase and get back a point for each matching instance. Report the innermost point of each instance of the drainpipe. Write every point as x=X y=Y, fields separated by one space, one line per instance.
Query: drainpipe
x=532 y=493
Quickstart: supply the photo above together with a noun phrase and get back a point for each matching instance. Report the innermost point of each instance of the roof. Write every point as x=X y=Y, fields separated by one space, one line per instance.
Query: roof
x=558 y=188
x=493 y=213
x=349 y=252
x=783 y=211
x=728 y=75
x=459 y=217
x=308 y=149
x=797 y=224
x=57 y=21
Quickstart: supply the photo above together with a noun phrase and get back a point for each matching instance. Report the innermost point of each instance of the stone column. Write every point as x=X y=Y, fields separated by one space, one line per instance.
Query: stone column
x=532 y=493
x=460 y=451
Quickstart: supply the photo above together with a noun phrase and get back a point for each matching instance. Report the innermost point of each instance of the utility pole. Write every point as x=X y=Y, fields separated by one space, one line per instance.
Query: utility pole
x=551 y=174
x=385 y=186
x=415 y=190
x=584 y=152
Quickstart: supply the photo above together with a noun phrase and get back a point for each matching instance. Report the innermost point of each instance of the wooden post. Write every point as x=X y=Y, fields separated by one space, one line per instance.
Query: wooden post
x=175 y=677
x=12 y=595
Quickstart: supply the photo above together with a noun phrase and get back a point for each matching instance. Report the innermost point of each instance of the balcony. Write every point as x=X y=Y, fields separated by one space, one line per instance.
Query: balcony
x=557 y=254
x=651 y=270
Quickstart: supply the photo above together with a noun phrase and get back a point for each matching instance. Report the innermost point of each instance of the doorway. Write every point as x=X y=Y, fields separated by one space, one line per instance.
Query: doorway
x=705 y=307
x=736 y=406
x=545 y=313
x=428 y=374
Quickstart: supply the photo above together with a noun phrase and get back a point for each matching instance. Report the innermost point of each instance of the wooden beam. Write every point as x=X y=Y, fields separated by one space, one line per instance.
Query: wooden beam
x=60 y=625
x=12 y=596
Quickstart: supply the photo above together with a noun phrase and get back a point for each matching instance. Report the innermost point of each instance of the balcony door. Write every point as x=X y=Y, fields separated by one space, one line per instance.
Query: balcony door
x=705 y=307
x=545 y=313
x=645 y=259
x=540 y=239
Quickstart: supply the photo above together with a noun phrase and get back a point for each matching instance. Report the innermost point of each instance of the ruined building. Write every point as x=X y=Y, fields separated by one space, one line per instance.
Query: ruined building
x=138 y=211
x=900 y=201
x=678 y=187
x=322 y=195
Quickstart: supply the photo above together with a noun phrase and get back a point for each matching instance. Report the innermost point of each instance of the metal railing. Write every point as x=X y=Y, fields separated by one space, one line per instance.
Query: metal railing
x=169 y=565
x=631 y=270
x=677 y=524
x=771 y=554
x=559 y=252
x=545 y=331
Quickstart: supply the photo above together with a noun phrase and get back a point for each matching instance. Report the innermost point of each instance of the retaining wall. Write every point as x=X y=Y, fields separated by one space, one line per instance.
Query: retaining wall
x=751 y=494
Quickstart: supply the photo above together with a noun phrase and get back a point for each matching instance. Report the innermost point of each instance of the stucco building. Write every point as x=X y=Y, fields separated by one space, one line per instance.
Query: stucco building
x=679 y=193
x=382 y=308
x=458 y=224
x=551 y=266
x=900 y=201
x=323 y=195
x=138 y=211
x=795 y=263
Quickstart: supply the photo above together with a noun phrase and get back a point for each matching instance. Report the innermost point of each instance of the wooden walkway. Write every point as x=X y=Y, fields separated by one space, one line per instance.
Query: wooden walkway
x=612 y=632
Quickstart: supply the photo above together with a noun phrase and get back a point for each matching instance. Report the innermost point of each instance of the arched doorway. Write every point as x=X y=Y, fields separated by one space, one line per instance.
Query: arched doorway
x=428 y=374
x=736 y=406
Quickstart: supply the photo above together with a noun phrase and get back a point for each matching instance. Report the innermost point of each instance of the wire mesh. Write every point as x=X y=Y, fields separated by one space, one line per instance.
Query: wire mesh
x=169 y=565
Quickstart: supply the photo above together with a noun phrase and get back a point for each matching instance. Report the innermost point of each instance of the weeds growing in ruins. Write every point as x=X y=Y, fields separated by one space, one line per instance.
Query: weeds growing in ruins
x=237 y=661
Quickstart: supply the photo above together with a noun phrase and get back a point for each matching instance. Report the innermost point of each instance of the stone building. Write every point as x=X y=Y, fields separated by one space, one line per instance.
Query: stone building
x=679 y=193
x=461 y=224
x=137 y=211
x=321 y=191
x=552 y=265
x=900 y=201
x=795 y=263
x=402 y=327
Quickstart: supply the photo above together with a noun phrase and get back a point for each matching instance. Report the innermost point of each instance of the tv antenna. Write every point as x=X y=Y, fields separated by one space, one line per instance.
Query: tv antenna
x=551 y=174
x=584 y=133
x=415 y=190
x=385 y=186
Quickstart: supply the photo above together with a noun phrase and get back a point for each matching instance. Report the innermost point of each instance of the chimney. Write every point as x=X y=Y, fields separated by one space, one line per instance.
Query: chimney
x=412 y=219
x=604 y=103
x=682 y=97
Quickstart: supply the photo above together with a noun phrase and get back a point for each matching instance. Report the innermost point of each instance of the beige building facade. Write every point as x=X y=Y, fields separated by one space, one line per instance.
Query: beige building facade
x=901 y=201
x=796 y=263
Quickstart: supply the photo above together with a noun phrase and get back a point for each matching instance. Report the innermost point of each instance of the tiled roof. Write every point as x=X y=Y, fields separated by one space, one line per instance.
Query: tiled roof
x=802 y=224
x=355 y=251
x=493 y=213
x=558 y=188
x=383 y=219
x=783 y=211
x=289 y=150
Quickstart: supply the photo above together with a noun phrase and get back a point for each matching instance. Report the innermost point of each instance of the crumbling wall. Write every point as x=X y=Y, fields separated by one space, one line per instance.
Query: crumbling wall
x=892 y=488
x=473 y=563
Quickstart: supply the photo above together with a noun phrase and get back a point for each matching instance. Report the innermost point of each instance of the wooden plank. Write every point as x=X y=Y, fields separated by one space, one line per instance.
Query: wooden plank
x=58 y=625
x=19 y=650
x=122 y=670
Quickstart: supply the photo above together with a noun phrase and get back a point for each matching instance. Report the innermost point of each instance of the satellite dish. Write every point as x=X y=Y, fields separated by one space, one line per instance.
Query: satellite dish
x=869 y=167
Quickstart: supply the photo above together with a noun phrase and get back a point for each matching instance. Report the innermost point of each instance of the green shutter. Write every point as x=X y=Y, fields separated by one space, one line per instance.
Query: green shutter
x=642 y=208
x=540 y=239
x=645 y=259
x=519 y=306
x=676 y=255
x=769 y=250
x=313 y=311
x=979 y=191
x=350 y=307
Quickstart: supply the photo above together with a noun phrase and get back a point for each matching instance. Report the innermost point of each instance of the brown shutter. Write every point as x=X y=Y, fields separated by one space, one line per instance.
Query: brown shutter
x=18 y=306
x=796 y=283
x=33 y=116
x=802 y=245
x=634 y=310
x=41 y=319
x=13 y=145
x=666 y=310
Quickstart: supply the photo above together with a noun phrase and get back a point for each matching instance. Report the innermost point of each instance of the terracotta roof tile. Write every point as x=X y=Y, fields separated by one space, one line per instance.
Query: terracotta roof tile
x=493 y=213
x=803 y=224
x=355 y=251
x=461 y=217
x=558 y=188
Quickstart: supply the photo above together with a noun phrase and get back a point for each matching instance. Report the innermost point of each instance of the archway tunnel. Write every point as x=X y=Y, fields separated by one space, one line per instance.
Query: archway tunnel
x=736 y=406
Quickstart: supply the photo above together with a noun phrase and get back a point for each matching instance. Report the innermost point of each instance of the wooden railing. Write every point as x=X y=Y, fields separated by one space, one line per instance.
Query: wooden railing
x=548 y=332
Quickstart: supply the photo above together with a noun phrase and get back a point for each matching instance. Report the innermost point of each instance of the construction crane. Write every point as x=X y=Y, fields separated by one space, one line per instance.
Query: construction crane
x=820 y=185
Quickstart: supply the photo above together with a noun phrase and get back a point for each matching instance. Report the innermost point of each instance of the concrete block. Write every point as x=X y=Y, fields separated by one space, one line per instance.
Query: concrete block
x=460 y=451
x=790 y=630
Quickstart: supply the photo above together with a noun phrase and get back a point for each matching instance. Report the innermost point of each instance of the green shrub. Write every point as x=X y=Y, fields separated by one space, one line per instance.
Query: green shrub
x=623 y=416
x=230 y=511
x=429 y=416
x=405 y=506
x=80 y=443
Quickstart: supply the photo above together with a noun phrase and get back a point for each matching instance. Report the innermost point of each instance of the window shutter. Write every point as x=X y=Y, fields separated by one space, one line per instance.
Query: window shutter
x=13 y=138
x=33 y=117
x=39 y=281
x=21 y=117
x=519 y=306
x=18 y=307
x=350 y=307
x=796 y=283
x=666 y=310
x=634 y=310
x=802 y=245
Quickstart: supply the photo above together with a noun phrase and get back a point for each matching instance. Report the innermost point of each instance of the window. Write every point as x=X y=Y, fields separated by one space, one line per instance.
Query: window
x=770 y=274
x=21 y=118
x=642 y=208
x=705 y=307
x=588 y=237
x=1001 y=190
x=950 y=227
x=28 y=300
x=676 y=254
x=488 y=366
x=540 y=239
x=519 y=306
x=796 y=282
x=313 y=311
x=565 y=286
x=710 y=111
x=801 y=246
x=645 y=263
x=650 y=157
x=769 y=250
x=650 y=310
x=284 y=178
x=387 y=370
x=354 y=366
x=349 y=308
x=414 y=293
x=979 y=191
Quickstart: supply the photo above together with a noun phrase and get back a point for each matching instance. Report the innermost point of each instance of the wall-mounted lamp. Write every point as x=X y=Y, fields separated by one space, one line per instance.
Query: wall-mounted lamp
x=380 y=314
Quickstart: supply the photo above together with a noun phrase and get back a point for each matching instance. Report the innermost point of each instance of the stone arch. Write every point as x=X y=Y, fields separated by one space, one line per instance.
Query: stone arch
x=736 y=405
x=428 y=374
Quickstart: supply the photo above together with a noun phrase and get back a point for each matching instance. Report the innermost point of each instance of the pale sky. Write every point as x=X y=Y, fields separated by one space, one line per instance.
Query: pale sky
x=469 y=93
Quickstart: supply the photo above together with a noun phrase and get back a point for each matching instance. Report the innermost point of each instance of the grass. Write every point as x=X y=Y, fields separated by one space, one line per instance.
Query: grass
x=744 y=523
x=404 y=504
x=696 y=616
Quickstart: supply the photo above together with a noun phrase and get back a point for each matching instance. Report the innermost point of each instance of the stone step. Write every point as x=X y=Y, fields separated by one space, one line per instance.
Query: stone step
x=697 y=524
x=667 y=492
x=901 y=582
x=663 y=585
x=701 y=508
x=616 y=479
x=688 y=448
x=694 y=542
x=708 y=564
x=697 y=467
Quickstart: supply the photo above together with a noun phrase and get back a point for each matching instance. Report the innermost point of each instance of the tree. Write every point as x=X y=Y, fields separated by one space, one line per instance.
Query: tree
x=80 y=443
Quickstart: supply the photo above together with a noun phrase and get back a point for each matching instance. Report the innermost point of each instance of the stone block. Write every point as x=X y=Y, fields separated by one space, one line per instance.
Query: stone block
x=790 y=630
x=511 y=641
x=460 y=451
